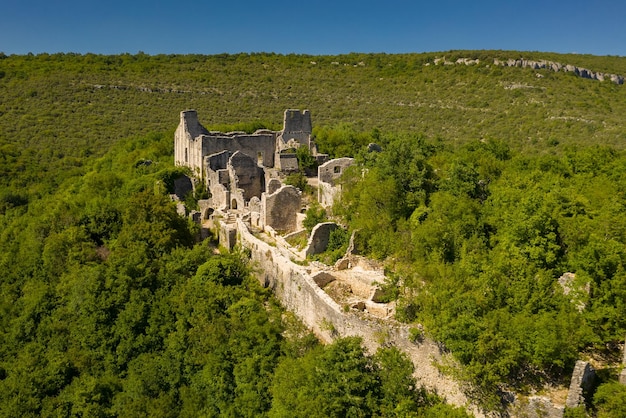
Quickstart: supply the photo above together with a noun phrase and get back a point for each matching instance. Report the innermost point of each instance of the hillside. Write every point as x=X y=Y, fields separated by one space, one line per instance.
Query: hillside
x=493 y=182
x=55 y=110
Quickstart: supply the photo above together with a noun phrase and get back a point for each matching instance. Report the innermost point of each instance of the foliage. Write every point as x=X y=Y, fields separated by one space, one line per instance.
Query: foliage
x=315 y=214
x=610 y=400
x=337 y=245
x=306 y=162
x=342 y=140
x=297 y=179
x=492 y=182
x=109 y=307
x=340 y=380
x=486 y=233
x=58 y=110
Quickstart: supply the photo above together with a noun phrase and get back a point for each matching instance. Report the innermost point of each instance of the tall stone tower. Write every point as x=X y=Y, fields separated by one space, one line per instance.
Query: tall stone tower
x=188 y=141
x=297 y=127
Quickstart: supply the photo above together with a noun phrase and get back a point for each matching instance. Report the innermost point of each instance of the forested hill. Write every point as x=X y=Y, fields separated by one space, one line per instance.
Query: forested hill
x=55 y=110
x=493 y=182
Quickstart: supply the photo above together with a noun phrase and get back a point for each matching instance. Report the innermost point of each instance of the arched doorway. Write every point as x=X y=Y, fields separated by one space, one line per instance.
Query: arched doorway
x=233 y=204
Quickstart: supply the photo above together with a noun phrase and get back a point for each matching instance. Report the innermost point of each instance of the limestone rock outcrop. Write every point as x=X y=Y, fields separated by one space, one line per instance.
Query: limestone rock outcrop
x=538 y=65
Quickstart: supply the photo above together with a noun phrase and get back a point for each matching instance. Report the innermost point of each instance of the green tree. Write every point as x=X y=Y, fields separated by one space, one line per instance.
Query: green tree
x=610 y=400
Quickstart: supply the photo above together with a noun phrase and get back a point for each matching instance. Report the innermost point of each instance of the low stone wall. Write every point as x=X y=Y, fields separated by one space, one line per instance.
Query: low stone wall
x=298 y=292
x=320 y=235
x=582 y=383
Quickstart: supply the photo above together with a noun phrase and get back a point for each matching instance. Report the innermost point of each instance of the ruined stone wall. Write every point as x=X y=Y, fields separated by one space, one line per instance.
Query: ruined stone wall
x=259 y=147
x=273 y=185
x=296 y=130
x=331 y=170
x=220 y=196
x=320 y=235
x=187 y=148
x=581 y=385
x=326 y=194
x=193 y=142
x=299 y=293
x=297 y=125
x=279 y=210
x=286 y=162
x=246 y=175
x=327 y=176
x=217 y=161
x=217 y=179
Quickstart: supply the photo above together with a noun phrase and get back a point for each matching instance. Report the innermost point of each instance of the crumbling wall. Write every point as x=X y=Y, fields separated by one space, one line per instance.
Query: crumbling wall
x=220 y=197
x=318 y=241
x=273 y=185
x=299 y=293
x=193 y=142
x=331 y=170
x=217 y=161
x=296 y=131
x=246 y=175
x=327 y=176
x=582 y=384
x=187 y=146
x=279 y=209
x=260 y=147
x=286 y=162
x=227 y=235
x=217 y=178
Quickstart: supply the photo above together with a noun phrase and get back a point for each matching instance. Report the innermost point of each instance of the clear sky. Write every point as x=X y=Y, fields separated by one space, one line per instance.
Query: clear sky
x=318 y=27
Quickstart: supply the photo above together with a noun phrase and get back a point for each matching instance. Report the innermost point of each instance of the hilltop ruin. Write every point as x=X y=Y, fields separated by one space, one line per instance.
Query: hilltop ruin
x=250 y=206
x=242 y=172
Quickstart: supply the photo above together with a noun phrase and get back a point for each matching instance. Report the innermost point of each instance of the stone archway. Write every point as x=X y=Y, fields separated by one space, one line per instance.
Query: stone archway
x=233 y=204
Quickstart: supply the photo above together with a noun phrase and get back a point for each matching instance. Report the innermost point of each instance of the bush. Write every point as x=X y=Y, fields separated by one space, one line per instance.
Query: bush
x=610 y=400
x=297 y=180
x=314 y=215
x=228 y=270
x=337 y=246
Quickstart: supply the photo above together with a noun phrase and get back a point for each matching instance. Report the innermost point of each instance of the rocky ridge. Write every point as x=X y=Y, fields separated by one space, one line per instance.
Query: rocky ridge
x=539 y=65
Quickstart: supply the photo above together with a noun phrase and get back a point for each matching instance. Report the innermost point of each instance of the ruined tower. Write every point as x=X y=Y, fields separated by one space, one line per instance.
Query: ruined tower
x=188 y=142
x=297 y=126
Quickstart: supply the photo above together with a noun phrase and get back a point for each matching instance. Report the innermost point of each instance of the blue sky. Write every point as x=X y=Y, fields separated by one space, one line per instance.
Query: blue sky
x=318 y=27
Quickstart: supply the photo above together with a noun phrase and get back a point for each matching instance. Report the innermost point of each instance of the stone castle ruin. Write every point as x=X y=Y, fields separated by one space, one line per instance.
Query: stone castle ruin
x=237 y=167
x=328 y=175
x=250 y=206
x=194 y=144
x=242 y=172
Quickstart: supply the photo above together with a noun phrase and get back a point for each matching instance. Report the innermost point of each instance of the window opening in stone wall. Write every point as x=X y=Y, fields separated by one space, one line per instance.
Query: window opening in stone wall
x=186 y=155
x=337 y=169
x=233 y=204
x=259 y=158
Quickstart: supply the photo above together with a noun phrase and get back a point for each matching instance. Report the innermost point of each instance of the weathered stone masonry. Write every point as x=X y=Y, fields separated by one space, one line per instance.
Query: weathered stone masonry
x=240 y=172
x=298 y=292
